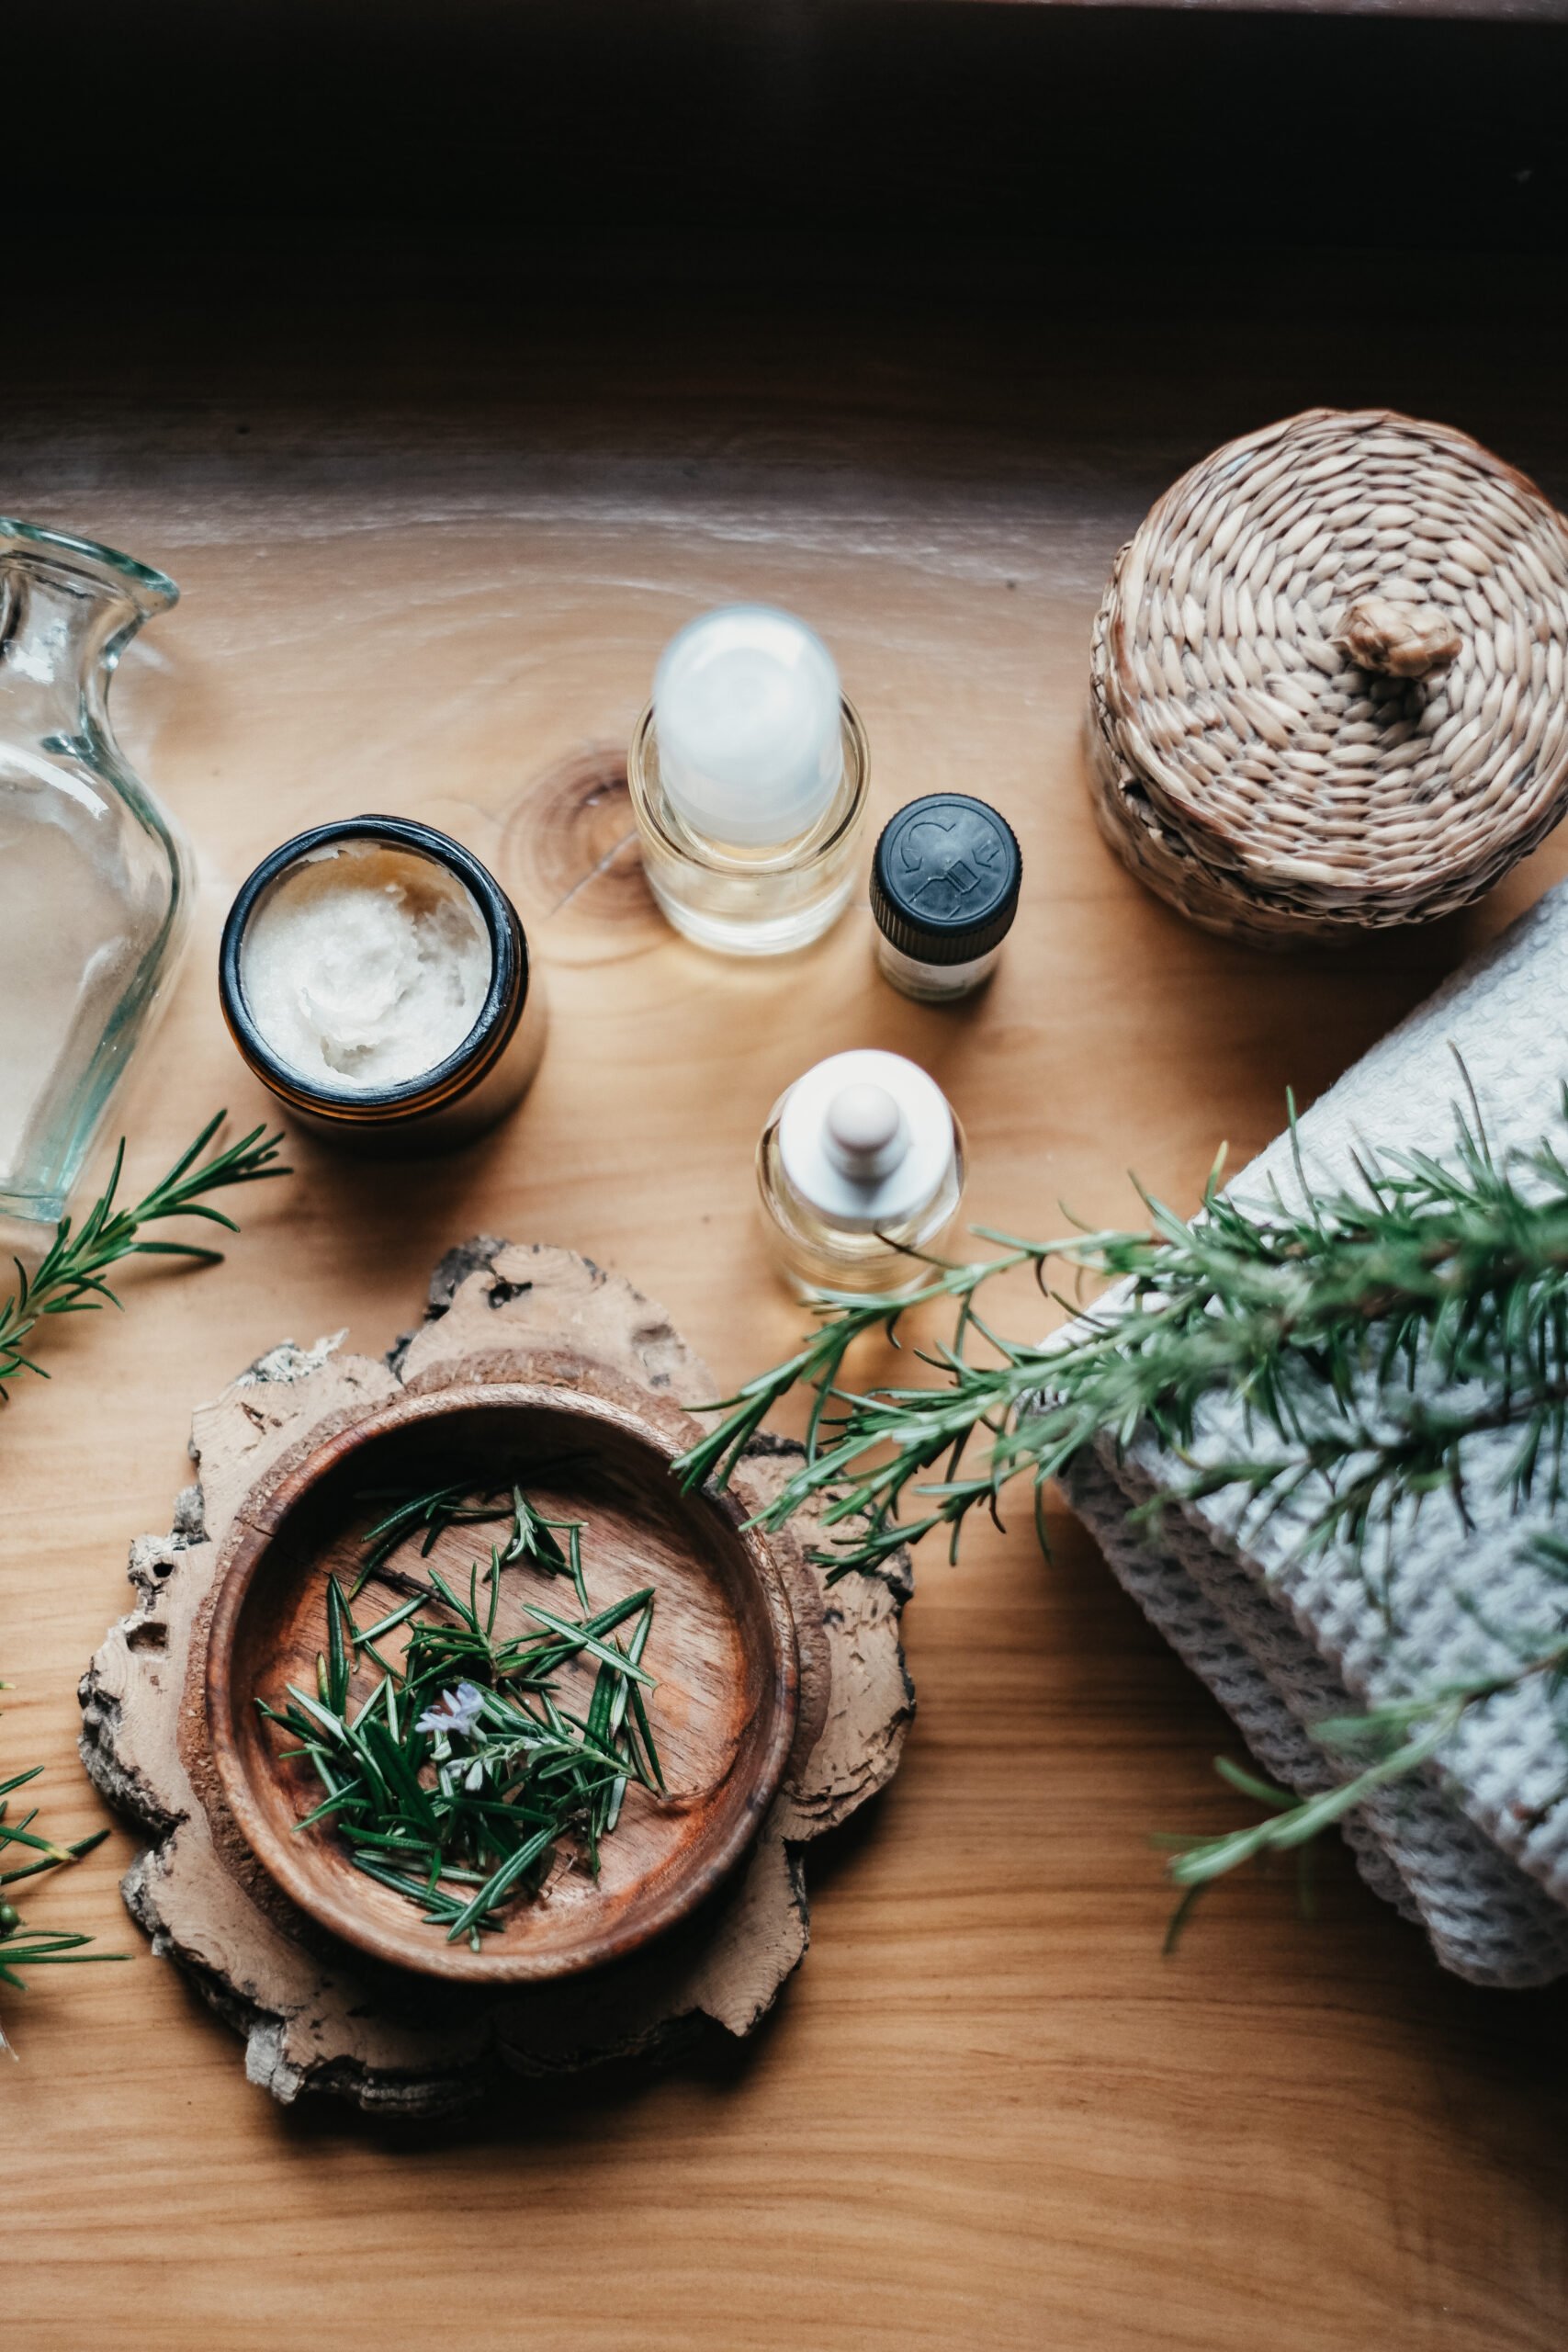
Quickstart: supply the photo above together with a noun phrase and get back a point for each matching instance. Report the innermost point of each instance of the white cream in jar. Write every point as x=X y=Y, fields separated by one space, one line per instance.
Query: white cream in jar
x=365 y=965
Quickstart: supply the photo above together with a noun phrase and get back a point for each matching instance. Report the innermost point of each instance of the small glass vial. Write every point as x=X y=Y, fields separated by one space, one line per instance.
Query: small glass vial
x=862 y=1160
x=945 y=885
x=749 y=774
x=375 y=975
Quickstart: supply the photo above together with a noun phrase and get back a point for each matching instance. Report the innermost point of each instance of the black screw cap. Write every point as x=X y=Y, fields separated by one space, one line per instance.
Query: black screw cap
x=945 y=878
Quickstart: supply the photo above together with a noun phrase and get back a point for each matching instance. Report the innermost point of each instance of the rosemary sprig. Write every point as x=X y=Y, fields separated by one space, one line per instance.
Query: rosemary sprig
x=1372 y=1335
x=69 y=1280
x=1344 y=1326
x=21 y=1946
x=454 y=1777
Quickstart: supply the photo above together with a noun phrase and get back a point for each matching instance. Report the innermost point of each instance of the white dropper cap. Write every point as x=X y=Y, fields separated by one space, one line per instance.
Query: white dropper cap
x=866 y=1138
x=746 y=702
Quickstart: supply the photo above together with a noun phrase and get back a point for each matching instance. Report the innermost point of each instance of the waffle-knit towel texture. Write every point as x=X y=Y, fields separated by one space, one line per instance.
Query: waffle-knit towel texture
x=1283 y=1643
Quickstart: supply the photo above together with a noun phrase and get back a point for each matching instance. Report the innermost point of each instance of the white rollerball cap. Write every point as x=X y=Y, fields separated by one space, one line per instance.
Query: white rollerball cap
x=866 y=1138
x=745 y=703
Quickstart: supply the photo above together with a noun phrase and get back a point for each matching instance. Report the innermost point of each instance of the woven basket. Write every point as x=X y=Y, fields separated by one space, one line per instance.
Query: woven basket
x=1327 y=682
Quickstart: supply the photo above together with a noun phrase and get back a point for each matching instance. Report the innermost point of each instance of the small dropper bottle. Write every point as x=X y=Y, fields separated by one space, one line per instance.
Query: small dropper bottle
x=945 y=885
x=861 y=1155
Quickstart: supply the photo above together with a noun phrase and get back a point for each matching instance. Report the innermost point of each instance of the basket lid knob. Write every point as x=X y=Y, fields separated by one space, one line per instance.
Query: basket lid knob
x=1399 y=640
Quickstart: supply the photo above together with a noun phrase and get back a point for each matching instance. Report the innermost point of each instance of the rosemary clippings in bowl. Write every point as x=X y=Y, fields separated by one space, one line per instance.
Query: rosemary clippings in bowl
x=455 y=1778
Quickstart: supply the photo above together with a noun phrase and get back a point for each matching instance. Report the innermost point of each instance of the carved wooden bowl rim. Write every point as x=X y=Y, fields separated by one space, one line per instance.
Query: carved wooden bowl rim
x=702 y=1865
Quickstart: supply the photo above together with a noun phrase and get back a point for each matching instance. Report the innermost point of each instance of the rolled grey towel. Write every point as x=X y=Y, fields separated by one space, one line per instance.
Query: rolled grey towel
x=1283 y=1643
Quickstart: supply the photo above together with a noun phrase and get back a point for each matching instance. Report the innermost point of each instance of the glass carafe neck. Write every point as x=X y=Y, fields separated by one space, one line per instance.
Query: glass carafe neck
x=68 y=609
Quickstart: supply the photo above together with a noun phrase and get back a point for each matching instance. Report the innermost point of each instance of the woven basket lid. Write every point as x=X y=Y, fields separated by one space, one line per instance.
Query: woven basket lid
x=1333 y=660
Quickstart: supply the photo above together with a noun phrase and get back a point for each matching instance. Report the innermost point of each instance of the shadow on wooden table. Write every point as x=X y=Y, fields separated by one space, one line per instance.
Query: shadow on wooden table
x=542 y=2112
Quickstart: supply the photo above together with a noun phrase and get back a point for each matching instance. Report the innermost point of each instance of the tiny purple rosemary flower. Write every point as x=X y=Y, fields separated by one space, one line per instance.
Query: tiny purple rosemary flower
x=457 y=1710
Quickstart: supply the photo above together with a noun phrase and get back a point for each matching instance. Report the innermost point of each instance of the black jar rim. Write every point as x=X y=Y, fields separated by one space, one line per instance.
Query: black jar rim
x=467 y=1063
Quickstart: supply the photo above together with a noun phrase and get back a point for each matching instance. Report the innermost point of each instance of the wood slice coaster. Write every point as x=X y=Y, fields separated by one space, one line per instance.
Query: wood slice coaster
x=317 y=2015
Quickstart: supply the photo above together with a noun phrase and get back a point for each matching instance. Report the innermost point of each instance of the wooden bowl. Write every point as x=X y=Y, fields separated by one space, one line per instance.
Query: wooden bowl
x=722 y=1647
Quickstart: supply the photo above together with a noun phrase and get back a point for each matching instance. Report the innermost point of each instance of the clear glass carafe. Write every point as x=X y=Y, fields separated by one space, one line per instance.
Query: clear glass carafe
x=96 y=879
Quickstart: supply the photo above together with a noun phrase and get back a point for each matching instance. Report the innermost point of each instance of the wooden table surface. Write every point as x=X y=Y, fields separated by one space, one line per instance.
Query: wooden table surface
x=431 y=544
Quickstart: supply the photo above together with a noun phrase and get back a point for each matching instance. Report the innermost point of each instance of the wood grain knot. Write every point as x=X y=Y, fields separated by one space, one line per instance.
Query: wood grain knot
x=571 y=857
